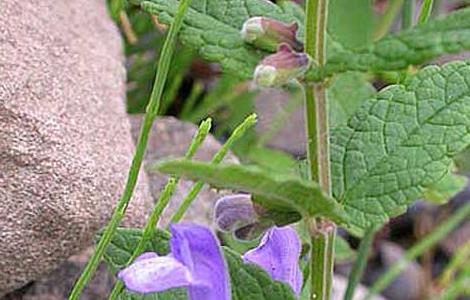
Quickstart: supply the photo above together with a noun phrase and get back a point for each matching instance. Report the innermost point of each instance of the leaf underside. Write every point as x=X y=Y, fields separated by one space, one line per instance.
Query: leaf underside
x=248 y=282
x=303 y=196
x=400 y=142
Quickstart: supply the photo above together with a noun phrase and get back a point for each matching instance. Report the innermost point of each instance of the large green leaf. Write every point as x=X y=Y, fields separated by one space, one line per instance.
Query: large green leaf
x=346 y=94
x=414 y=46
x=248 y=281
x=213 y=28
x=400 y=142
x=300 y=195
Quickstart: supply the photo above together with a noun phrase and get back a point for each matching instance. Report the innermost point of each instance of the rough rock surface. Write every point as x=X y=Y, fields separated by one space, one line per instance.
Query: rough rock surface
x=65 y=145
x=170 y=138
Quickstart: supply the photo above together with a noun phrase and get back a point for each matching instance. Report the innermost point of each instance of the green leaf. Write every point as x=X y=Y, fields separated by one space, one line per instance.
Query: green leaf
x=248 y=281
x=400 y=142
x=303 y=196
x=213 y=28
x=120 y=251
x=346 y=94
x=397 y=51
x=443 y=190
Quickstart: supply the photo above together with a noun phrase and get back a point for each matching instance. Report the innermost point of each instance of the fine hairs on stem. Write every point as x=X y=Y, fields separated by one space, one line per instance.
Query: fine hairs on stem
x=151 y=113
x=317 y=129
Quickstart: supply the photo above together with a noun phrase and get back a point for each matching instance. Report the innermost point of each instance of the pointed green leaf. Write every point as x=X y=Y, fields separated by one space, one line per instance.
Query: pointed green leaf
x=400 y=142
x=248 y=281
x=304 y=196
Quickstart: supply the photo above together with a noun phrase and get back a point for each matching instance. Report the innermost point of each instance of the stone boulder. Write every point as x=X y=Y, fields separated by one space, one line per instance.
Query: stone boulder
x=65 y=144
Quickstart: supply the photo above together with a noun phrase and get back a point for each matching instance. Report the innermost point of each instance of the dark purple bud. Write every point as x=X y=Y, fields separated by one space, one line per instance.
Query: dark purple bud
x=268 y=34
x=281 y=67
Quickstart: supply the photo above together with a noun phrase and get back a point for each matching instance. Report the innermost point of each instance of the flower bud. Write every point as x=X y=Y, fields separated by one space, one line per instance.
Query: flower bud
x=281 y=67
x=268 y=34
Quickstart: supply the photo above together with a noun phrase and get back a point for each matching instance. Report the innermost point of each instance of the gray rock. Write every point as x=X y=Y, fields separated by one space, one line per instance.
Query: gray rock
x=65 y=146
x=170 y=138
x=340 y=284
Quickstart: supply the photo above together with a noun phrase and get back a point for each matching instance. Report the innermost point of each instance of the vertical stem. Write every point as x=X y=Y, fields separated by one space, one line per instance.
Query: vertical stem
x=322 y=232
x=407 y=14
x=425 y=12
x=152 y=110
x=360 y=263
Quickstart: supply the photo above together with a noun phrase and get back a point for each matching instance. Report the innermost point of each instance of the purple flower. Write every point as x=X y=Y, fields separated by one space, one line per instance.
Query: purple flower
x=281 y=67
x=195 y=261
x=268 y=34
x=278 y=254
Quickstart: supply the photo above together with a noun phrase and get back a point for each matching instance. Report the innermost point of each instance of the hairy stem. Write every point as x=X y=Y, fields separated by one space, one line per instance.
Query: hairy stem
x=360 y=263
x=163 y=201
x=441 y=231
x=218 y=157
x=322 y=232
x=152 y=110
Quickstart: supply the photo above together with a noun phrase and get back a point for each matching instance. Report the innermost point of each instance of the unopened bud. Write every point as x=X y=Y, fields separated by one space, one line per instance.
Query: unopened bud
x=234 y=211
x=268 y=34
x=281 y=67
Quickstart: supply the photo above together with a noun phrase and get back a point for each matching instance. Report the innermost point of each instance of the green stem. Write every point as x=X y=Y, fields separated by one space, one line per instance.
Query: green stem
x=425 y=12
x=442 y=230
x=322 y=232
x=218 y=157
x=163 y=201
x=387 y=19
x=360 y=263
x=407 y=14
x=152 y=110
x=458 y=286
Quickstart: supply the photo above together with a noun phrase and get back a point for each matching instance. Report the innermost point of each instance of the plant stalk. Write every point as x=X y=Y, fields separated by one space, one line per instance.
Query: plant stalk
x=151 y=113
x=407 y=14
x=360 y=263
x=322 y=232
x=386 y=21
x=425 y=12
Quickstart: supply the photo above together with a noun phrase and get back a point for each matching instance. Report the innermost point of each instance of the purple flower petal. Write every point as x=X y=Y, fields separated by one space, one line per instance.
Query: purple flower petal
x=278 y=254
x=152 y=273
x=234 y=211
x=197 y=248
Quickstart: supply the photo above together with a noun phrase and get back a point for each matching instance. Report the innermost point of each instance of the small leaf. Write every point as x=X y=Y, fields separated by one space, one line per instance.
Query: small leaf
x=400 y=142
x=248 y=281
x=442 y=191
x=303 y=196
